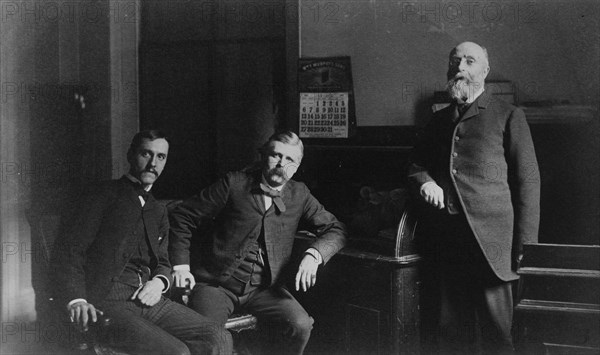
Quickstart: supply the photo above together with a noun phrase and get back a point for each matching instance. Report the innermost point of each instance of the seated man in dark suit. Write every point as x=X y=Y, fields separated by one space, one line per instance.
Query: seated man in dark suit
x=112 y=260
x=256 y=214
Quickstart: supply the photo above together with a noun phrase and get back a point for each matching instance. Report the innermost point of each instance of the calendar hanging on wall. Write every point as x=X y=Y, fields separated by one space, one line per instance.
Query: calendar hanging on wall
x=326 y=98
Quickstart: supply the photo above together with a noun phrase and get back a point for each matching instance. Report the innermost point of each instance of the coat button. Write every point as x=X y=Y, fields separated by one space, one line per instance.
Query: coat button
x=454 y=171
x=114 y=279
x=457 y=138
x=455 y=154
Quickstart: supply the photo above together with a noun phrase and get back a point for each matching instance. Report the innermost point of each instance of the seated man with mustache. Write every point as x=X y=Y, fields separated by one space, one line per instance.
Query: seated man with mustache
x=240 y=267
x=112 y=260
x=476 y=169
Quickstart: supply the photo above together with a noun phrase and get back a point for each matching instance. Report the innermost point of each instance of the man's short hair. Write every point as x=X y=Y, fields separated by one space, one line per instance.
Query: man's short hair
x=150 y=134
x=287 y=137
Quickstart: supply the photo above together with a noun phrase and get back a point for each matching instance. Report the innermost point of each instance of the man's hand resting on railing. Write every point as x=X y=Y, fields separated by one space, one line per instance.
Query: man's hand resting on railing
x=433 y=194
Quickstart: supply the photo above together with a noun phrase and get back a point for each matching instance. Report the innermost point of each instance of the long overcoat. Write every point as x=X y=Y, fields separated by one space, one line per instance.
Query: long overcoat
x=489 y=160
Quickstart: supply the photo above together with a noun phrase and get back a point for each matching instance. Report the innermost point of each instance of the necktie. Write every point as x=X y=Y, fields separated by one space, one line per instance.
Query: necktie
x=462 y=108
x=459 y=111
x=139 y=189
x=145 y=194
x=275 y=195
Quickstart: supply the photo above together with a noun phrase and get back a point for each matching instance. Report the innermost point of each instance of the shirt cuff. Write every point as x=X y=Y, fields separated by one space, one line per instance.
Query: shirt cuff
x=315 y=254
x=165 y=280
x=75 y=301
x=181 y=267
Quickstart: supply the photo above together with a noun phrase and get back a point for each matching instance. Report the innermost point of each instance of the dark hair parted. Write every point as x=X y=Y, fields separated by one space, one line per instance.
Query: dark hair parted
x=150 y=134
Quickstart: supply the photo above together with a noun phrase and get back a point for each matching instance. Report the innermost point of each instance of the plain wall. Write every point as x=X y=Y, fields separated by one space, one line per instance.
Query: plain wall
x=399 y=50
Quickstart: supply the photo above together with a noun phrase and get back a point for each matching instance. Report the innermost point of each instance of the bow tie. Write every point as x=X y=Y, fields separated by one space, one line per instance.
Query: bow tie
x=275 y=195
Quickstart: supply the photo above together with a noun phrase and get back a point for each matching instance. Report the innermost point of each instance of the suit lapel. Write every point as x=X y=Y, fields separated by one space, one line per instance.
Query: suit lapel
x=151 y=220
x=473 y=110
x=286 y=194
x=129 y=192
x=256 y=192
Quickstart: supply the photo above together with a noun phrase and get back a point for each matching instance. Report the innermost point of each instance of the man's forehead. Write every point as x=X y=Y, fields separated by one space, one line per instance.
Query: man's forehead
x=158 y=144
x=285 y=148
x=467 y=49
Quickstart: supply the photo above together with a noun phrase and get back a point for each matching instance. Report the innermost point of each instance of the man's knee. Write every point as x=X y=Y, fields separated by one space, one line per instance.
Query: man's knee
x=215 y=335
x=301 y=325
x=179 y=349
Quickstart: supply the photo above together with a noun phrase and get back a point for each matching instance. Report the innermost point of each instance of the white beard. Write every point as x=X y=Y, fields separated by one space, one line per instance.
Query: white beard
x=463 y=89
x=460 y=89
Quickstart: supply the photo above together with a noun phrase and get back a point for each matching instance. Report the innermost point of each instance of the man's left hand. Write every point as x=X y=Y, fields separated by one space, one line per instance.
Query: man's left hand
x=307 y=273
x=150 y=293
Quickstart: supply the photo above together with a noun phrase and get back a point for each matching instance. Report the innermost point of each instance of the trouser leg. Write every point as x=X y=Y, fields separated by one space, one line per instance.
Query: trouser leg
x=131 y=333
x=214 y=302
x=496 y=319
x=199 y=333
x=476 y=306
x=165 y=328
x=287 y=324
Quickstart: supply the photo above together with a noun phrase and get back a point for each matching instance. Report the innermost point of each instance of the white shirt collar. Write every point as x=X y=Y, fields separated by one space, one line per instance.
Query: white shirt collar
x=134 y=180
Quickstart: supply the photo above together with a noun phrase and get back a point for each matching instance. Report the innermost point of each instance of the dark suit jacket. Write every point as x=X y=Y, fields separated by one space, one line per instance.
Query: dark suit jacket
x=236 y=205
x=99 y=239
x=489 y=160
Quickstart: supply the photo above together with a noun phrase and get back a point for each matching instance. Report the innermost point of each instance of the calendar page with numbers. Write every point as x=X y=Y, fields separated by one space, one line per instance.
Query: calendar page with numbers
x=324 y=114
x=326 y=98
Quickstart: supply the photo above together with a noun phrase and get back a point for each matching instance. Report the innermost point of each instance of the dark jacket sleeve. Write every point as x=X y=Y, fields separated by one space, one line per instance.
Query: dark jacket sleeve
x=523 y=179
x=331 y=233
x=69 y=253
x=164 y=266
x=422 y=157
x=191 y=214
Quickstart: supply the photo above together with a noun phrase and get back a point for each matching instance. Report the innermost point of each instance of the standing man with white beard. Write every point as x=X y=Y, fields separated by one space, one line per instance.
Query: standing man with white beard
x=476 y=170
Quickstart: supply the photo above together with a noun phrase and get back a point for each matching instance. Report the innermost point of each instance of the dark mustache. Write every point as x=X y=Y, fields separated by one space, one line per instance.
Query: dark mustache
x=279 y=171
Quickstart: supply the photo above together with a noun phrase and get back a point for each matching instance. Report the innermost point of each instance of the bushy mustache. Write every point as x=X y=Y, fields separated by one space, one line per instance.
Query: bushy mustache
x=458 y=79
x=277 y=171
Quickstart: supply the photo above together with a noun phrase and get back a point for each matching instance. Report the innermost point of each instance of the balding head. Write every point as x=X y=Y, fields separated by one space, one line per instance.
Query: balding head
x=468 y=67
x=472 y=48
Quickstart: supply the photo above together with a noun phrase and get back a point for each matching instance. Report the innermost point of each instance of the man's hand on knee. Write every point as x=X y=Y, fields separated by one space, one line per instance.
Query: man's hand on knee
x=82 y=312
x=150 y=293
x=183 y=279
